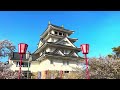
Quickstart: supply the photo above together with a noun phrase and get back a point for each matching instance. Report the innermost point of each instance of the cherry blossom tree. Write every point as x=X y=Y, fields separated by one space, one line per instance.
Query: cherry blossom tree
x=101 y=68
x=6 y=47
x=104 y=69
x=5 y=72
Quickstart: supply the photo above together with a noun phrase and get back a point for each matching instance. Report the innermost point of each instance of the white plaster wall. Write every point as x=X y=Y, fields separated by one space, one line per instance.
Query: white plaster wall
x=67 y=44
x=49 y=40
x=50 y=49
x=55 y=39
x=40 y=44
x=75 y=54
x=45 y=65
x=57 y=65
x=52 y=39
x=13 y=67
x=52 y=32
x=10 y=61
x=34 y=67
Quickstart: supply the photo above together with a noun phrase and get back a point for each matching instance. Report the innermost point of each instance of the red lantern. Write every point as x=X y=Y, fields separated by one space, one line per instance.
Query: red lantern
x=85 y=48
x=22 y=48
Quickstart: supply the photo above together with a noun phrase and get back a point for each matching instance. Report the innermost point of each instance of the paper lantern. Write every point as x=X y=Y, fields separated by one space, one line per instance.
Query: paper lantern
x=85 y=48
x=22 y=48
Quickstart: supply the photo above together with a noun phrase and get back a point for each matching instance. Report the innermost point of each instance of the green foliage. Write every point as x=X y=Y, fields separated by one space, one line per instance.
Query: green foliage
x=116 y=50
x=110 y=56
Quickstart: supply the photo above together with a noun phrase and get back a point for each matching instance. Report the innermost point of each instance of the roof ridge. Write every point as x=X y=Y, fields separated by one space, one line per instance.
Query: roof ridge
x=61 y=27
x=56 y=26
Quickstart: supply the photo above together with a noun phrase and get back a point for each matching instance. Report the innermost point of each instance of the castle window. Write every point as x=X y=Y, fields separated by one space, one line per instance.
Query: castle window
x=67 y=62
x=66 y=52
x=17 y=64
x=51 y=61
x=24 y=64
x=43 y=52
x=66 y=71
x=63 y=62
x=60 y=33
x=56 y=33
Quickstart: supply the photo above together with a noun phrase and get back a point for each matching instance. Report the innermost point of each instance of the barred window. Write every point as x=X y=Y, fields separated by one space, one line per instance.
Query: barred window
x=65 y=62
x=60 y=33
x=24 y=64
x=51 y=61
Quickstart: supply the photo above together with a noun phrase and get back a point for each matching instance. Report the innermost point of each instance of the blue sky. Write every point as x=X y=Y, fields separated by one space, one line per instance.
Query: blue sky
x=100 y=29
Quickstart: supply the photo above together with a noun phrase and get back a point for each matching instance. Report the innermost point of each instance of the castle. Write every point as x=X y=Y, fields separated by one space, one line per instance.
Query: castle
x=55 y=51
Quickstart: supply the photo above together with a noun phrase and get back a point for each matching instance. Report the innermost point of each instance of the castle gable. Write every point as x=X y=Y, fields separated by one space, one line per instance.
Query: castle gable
x=65 y=41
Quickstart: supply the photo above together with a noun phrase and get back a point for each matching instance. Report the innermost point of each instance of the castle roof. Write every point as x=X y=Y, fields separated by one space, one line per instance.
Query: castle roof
x=51 y=26
x=55 y=45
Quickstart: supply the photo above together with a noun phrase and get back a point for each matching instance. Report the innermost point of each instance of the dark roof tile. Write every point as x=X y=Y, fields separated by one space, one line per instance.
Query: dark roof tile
x=16 y=56
x=61 y=27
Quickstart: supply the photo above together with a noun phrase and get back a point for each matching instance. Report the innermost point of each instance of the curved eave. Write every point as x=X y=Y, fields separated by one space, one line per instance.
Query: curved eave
x=73 y=39
x=19 y=60
x=57 y=45
x=66 y=57
x=58 y=56
x=45 y=32
x=40 y=48
x=64 y=46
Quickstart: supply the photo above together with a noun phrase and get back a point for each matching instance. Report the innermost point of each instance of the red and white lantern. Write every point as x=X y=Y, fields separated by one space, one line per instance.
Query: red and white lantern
x=22 y=48
x=85 y=48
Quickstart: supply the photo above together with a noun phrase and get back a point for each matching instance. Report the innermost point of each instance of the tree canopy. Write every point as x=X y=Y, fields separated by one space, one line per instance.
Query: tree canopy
x=6 y=47
x=116 y=50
